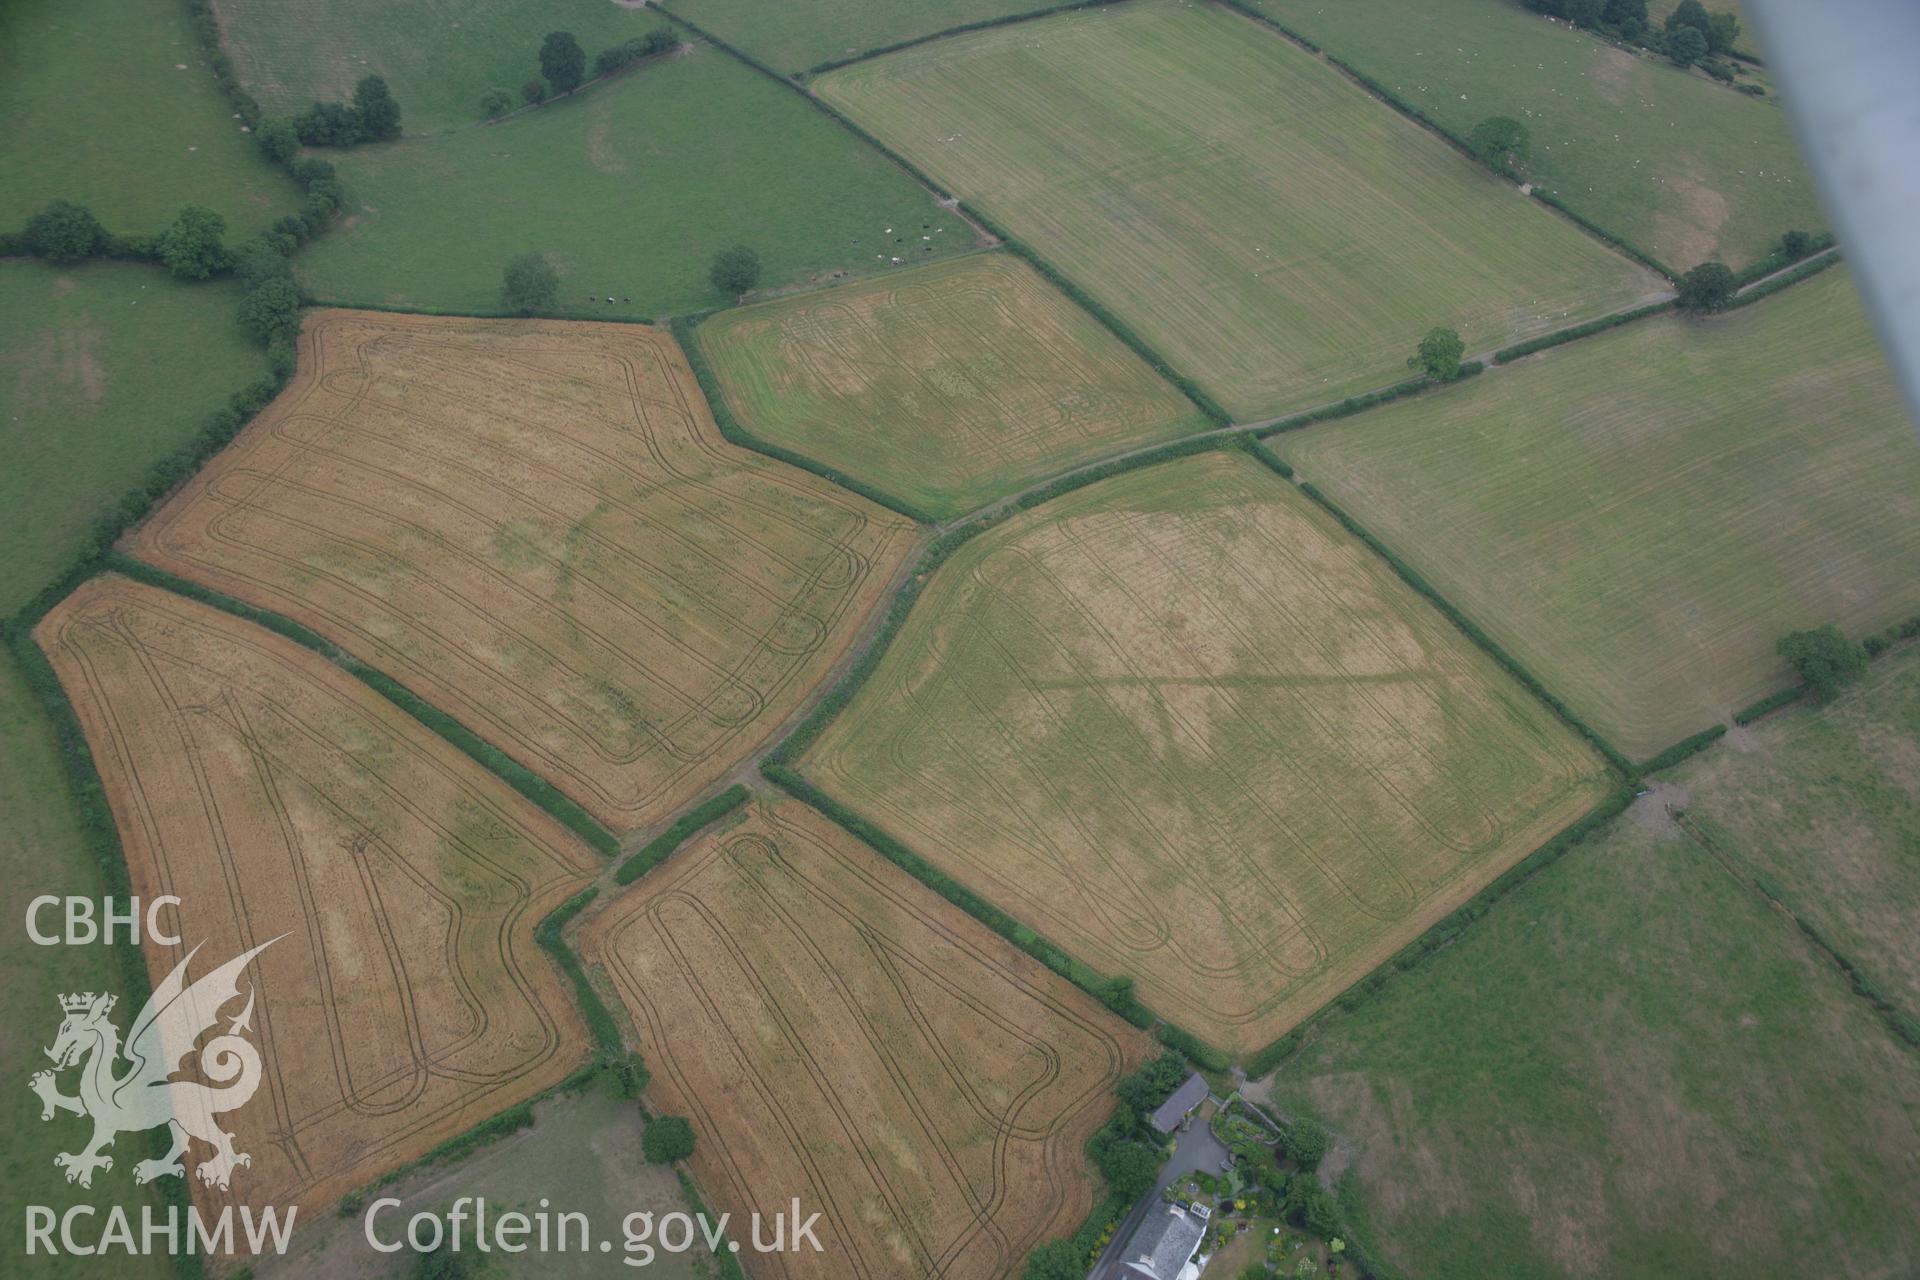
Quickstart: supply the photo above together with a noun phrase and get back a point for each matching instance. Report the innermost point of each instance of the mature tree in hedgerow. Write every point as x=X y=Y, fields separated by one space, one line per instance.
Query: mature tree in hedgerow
x=1686 y=45
x=379 y=113
x=1722 y=30
x=1708 y=287
x=1056 y=1260
x=666 y=1139
x=1688 y=13
x=735 y=270
x=495 y=103
x=1824 y=658
x=1796 y=245
x=279 y=141
x=531 y=285
x=534 y=91
x=1502 y=143
x=65 y=232
x=562 y=61
x=271 y=311
x=1131 y=1168
x=191 y=247
x=1439 y=355
x=1586 y=13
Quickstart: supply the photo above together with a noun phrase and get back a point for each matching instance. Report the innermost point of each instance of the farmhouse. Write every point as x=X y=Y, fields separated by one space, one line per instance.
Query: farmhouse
x=1163 y=1247
x=1180 y=1103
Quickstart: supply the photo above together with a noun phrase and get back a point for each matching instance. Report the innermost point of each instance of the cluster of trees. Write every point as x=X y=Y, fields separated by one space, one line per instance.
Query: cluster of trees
x=372 y=116
x=191 y=246
x=531 y=287
x=563 y=67
x=1690 y=34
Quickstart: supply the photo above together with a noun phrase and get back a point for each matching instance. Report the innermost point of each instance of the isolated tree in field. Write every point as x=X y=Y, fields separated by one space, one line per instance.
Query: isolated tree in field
x=531 y=285
x=1439 y=355
x=1824 y=658
x=735 y=270
x=562 y=61
x=1708 y=287
x=1502 y=143
x=1686 y=46
x=534 y=91
x=277 y=139
x=191 y=247
x=379 y=113
x=65 y=232
x=495 y=103
x=271 y=311
x=666 y=1139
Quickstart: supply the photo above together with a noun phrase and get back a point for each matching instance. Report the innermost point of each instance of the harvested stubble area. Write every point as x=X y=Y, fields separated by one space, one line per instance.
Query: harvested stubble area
x=1267 y=226
x=536 y=527
x=1187 y=728
x=1638 y=516
x=836 y=1031
x=404 y=998
x=948 y=387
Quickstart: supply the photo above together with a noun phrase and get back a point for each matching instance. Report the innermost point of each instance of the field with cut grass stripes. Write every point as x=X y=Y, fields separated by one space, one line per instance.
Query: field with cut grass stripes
x=1639 y=515
x=1266 y=226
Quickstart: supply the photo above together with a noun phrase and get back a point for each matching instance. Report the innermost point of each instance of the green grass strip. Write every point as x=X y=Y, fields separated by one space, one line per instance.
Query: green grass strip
x=686 y=333
x=1684 y=748
x=1412 y=577
x=1591 y=327
x=655 y=851
x=516 y=775
x=1444 y=931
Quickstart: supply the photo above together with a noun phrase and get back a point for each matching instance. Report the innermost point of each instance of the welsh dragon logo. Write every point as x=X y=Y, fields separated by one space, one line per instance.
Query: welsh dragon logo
x=165 y=1033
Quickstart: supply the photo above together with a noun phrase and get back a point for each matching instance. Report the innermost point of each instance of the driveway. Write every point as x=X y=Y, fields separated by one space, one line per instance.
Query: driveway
x=1197 y=1149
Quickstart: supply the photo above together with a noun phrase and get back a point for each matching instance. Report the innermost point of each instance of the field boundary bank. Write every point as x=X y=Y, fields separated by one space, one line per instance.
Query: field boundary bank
x=1380 y=91
x=530 y=786
x=1155 y=361
x=1900 y=1024
x=983 y=24
x=685 y=331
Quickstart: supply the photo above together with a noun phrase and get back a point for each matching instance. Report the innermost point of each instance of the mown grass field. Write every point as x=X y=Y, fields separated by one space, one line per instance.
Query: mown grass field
x=792 y=38
x=1822 y=806
x=1267 y=227
x=536 y=527
x=1183 y=726
x=630 y=189
x=1632 y=1068
x=836 y=1031
x=1682 y=167
x=279 y=798
x=110 y=103
x=104 y=369
x=43 y=850
x=437 y=57
x=947 y=386
x=1638 y=516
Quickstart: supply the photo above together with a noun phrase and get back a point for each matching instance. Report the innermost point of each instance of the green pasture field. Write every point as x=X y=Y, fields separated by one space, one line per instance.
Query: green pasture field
x=438 y=57
x=1681 y=167
x=795 y=37
x=947 y=386
x=1266 y=226
x=1633 y=1068
x=104 y=369
x=1186 y=728
x=111 y=103
x=630 y=190
x=43 y=851
x=1640 y=515
x=1822 y=806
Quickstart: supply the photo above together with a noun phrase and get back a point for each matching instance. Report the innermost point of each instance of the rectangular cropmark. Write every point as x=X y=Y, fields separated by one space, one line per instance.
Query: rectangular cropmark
x=536 y=527
x=1184 y=726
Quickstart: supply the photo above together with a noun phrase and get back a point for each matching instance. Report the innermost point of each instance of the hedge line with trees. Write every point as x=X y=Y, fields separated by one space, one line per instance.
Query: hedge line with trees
x=655 y=851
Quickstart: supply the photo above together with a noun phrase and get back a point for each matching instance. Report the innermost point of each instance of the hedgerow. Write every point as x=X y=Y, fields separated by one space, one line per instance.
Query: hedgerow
x=834 y=64
x=1591 y=327
x=1772 y=702
x=516 y=775
x=1682 y=749
x=1785 y=280
x=655 y=851
x=1412 y=577
x=1352 y=405
x=686 y=332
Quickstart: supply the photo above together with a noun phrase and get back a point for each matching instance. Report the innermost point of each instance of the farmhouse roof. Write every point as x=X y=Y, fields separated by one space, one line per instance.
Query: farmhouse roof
x=1190 y=1094
x=1164 y=1245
